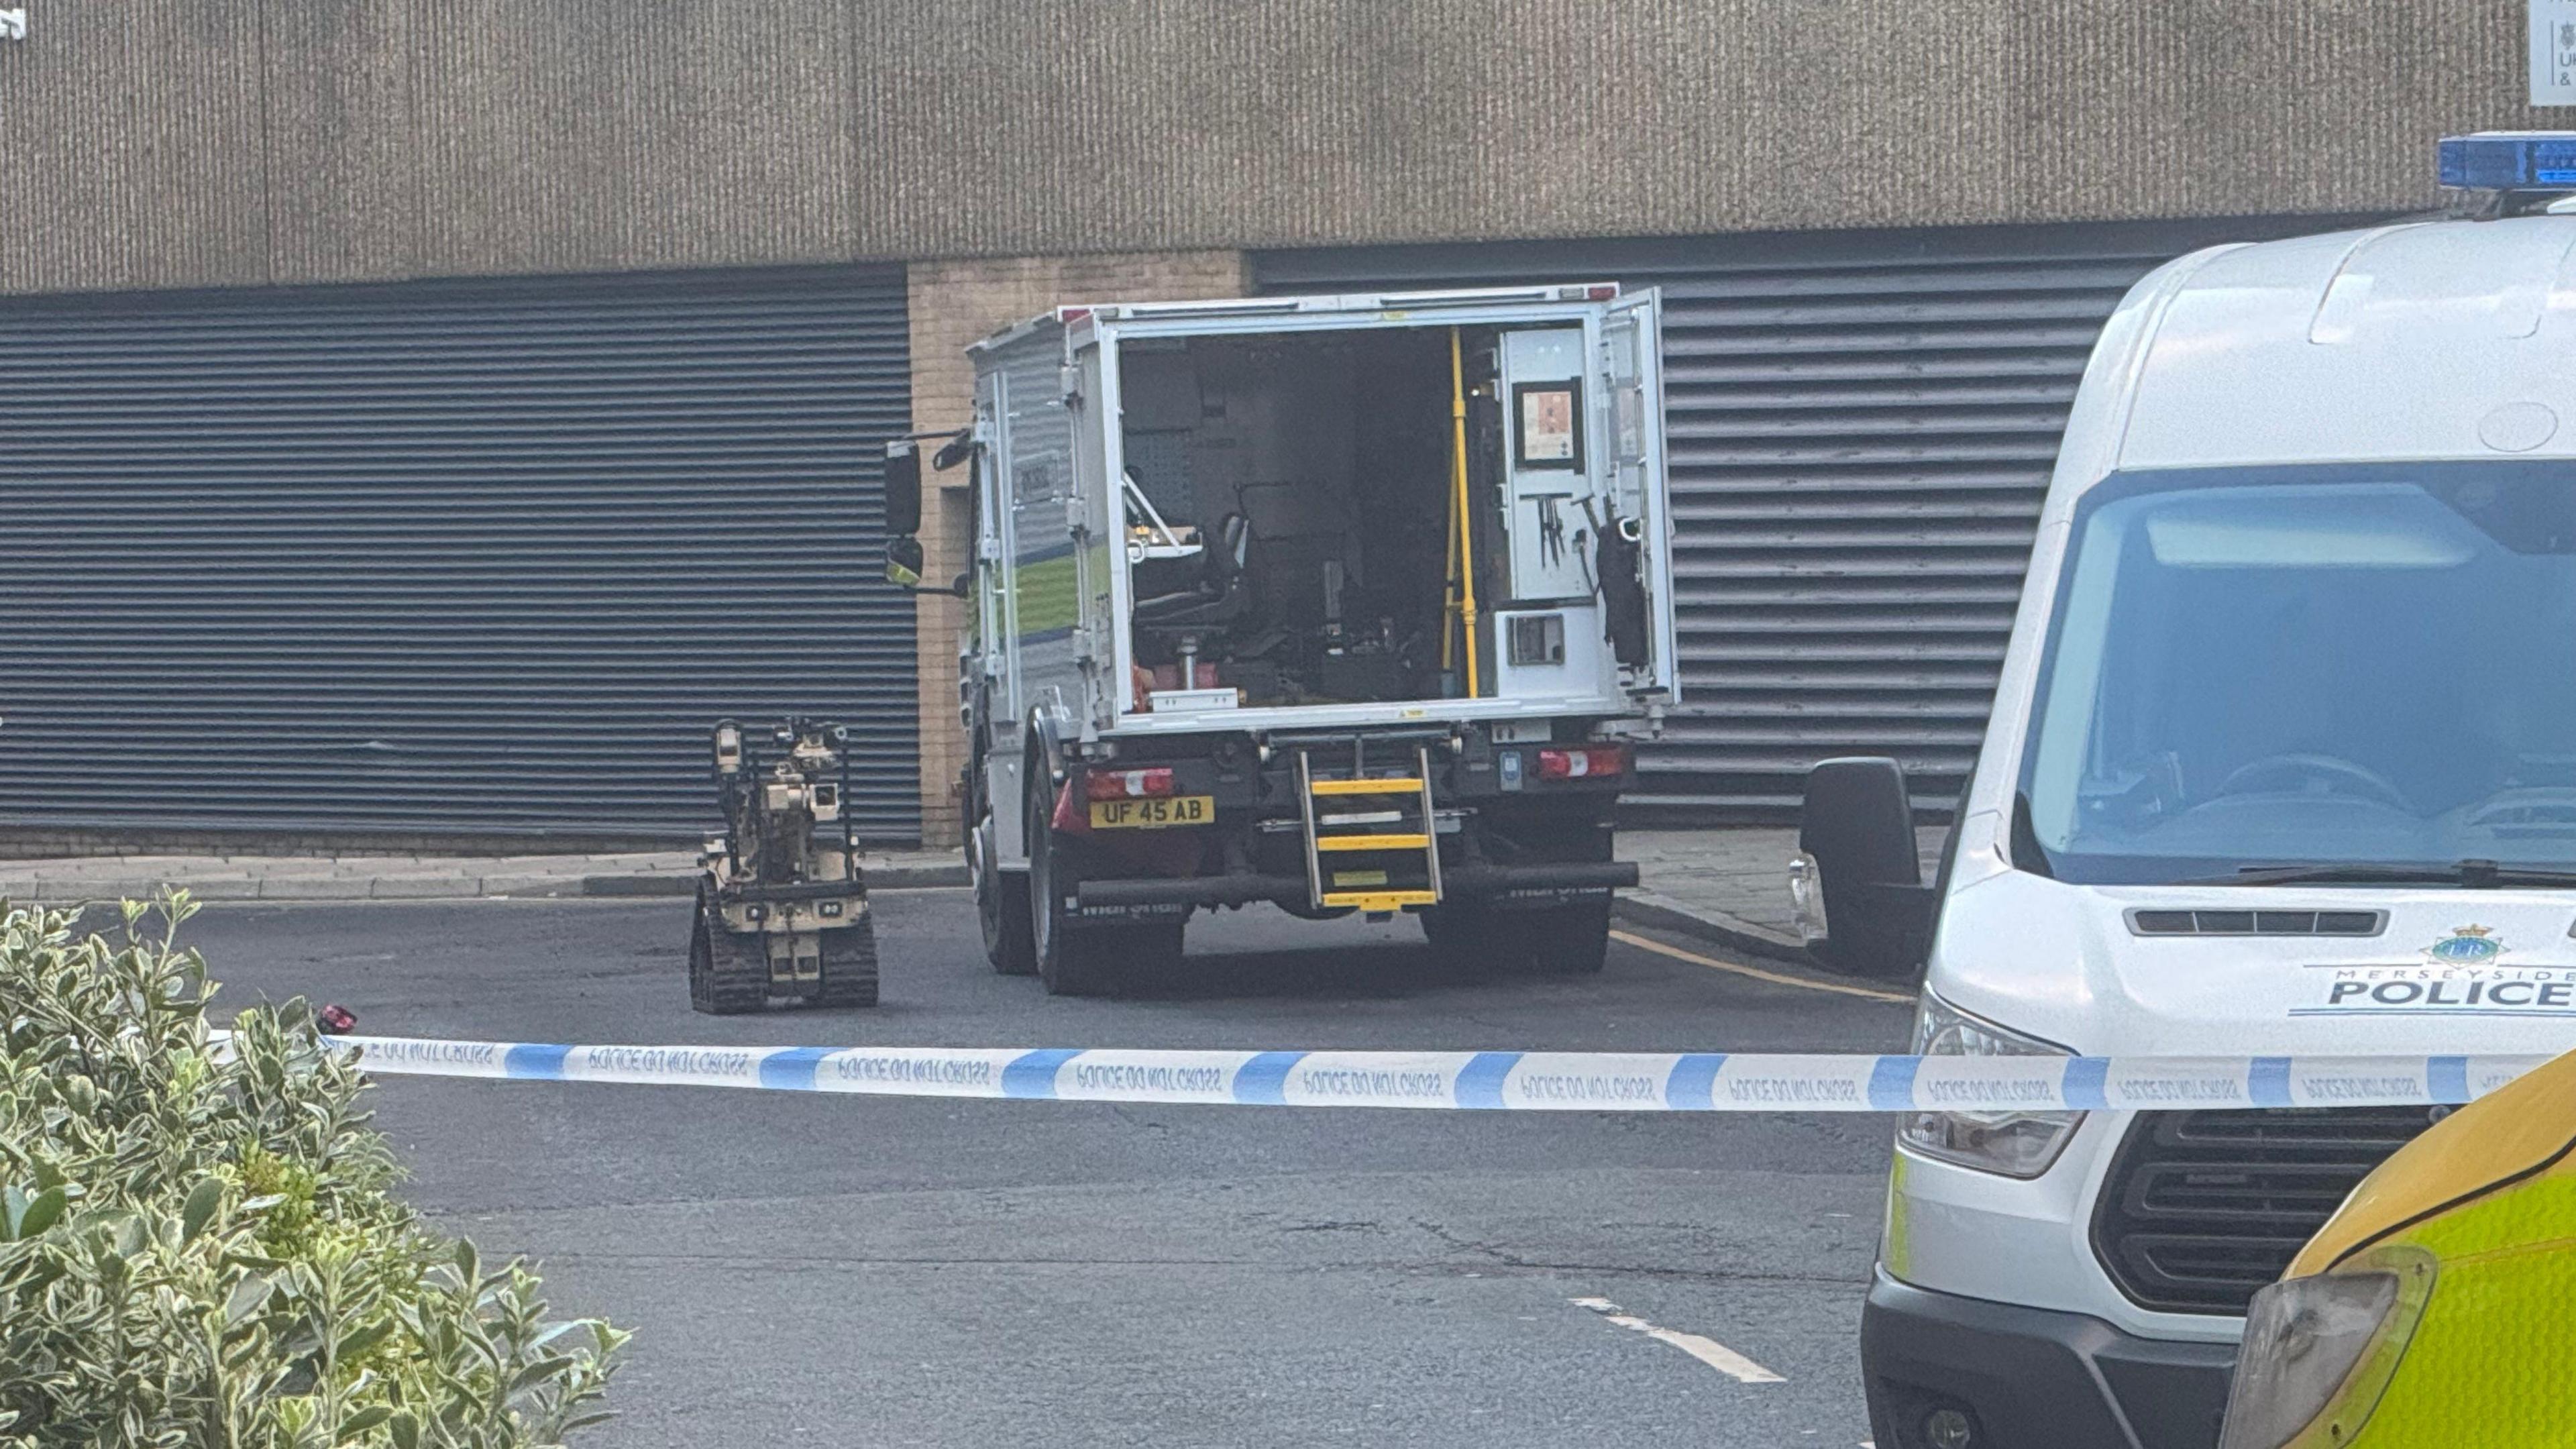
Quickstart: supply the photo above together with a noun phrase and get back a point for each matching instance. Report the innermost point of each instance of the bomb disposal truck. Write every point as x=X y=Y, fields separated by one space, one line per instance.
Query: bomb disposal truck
x=1345 y=604
x=2283 y=763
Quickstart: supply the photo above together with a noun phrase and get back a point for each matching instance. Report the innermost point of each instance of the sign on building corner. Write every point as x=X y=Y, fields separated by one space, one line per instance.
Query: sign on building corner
x=13 y=24
x=2553 y=52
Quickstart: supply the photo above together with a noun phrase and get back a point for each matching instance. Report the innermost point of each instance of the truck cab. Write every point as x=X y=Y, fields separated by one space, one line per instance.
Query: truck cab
x=1338 y=603
x=2283 y=762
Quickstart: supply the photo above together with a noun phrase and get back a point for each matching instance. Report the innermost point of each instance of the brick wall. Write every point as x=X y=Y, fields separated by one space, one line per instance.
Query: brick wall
x=189 y=143
x=953 y=304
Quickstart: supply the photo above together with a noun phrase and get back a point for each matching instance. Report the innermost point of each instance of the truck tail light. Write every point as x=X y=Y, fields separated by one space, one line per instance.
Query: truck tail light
x=1070 y=817
x=1128 y=784
x=1583 y=764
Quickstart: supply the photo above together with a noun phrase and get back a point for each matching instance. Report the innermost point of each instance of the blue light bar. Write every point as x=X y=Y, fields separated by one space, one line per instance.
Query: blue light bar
x=2510 y=161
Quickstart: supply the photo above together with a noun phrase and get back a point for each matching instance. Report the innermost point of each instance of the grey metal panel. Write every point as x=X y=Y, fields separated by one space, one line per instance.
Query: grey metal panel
x=1861 y=426
x=483 y=557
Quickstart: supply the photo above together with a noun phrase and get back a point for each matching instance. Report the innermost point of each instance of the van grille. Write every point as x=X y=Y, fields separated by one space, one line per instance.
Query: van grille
x=2202 y=1209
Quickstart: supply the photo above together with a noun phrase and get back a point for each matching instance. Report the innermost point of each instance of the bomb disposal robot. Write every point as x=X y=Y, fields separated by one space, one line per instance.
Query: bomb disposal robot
x=782 y=911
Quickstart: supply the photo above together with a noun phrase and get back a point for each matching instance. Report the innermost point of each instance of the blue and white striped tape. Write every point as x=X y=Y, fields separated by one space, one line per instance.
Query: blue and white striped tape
x=1508 y=1081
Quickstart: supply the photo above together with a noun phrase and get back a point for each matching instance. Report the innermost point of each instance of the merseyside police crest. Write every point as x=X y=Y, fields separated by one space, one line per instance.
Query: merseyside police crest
x=2467 y=946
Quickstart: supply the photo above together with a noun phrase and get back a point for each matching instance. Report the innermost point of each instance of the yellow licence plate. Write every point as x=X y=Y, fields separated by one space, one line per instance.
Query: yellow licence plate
x=1149 y=814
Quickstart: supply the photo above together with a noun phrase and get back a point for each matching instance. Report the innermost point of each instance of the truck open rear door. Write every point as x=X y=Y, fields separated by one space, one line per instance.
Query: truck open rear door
x=1632 y=419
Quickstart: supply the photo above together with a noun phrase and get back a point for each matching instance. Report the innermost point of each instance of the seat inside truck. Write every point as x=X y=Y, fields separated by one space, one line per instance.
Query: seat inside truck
x=1289 y=502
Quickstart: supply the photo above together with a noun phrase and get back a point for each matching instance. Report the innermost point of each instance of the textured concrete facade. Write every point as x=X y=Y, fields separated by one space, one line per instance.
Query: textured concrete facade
x=160 y=143
x=953 y=304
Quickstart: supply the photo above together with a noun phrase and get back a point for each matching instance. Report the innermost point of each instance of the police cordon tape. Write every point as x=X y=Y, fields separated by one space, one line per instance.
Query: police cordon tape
x=1507 y=1081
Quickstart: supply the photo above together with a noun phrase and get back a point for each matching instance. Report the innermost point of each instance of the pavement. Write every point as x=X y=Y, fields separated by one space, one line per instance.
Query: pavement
x=1726 y=886
x=236 y=877
x=926 y=1272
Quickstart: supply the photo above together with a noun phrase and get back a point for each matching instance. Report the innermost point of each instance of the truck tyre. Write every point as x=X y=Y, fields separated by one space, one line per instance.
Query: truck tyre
x=1067 y=960
x=1463 y=937
x=849 y=965
x=1478 y=942
x=725 y=979
x=1569 y=940
x=1001 y=903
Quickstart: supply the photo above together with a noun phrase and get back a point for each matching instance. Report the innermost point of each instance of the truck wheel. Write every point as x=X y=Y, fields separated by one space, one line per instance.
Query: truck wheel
x=725 y=979
x=1062 y=964
x=1070 y=961
x=849 y=965
x=1558 y=941
x=1001 y=903
x=1566 y=940
x=1462 y=935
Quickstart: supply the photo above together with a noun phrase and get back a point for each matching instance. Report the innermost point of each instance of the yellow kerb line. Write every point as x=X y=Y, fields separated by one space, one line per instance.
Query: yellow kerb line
x=1757 y=973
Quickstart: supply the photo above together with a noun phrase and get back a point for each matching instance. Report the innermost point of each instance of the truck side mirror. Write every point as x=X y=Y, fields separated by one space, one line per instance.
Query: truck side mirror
x=902 y=488
x=1865 y=907
x=903 y=562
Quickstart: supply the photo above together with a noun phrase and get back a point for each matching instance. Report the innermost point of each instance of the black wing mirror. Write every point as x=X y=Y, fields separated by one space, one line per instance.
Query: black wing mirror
x=903 y=562
x=903 y=570
x=1863 y=904
x=902 y=488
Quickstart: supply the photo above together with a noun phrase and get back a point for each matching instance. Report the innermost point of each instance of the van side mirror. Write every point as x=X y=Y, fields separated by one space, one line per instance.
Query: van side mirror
x=902 y=488
x=903 y=562
x=1864 y=906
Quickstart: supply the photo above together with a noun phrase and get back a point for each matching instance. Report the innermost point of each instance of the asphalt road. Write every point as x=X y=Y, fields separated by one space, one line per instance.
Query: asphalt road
x=936 y=1273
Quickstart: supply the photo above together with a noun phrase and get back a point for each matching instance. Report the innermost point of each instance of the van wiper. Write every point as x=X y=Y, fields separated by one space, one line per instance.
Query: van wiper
x=2472 y=874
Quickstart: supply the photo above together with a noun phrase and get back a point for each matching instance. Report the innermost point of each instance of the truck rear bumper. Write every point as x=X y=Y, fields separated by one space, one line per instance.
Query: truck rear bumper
x=1460 y=882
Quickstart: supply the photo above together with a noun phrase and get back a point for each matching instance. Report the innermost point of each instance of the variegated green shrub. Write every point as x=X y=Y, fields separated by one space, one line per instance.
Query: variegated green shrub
x=199 y=1245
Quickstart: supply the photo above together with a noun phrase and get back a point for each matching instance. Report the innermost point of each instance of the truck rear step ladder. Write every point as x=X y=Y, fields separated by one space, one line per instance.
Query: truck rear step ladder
x=1372 y=868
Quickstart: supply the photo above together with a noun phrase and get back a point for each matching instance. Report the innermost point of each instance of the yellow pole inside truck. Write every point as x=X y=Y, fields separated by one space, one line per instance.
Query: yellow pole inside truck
x=2437 y=1309
x=1461 y=537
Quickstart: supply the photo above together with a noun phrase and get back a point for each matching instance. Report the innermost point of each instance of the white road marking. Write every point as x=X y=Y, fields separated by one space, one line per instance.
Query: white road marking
x=1756 y=973
x=1707 y=1350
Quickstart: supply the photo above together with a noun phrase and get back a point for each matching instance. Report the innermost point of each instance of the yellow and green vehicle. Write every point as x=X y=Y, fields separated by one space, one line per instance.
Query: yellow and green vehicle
x=2437 y=1310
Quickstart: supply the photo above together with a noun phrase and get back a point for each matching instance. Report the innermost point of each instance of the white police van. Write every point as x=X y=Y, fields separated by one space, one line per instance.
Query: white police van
x=2283 y=761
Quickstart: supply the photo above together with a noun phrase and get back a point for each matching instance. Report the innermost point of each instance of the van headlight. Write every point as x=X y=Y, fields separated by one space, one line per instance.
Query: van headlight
x=2320 y=1351
x=2014 y=1144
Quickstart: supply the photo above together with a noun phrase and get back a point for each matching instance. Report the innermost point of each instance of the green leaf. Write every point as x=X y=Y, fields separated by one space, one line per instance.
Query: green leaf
x=406 y=1430
x=356 y=1344
x=199 y=1210
x=363 y=1420
x=42 y=1212
x=539 y=1371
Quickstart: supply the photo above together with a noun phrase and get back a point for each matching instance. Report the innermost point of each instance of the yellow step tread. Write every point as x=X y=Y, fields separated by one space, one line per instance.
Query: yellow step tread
x=1380 y=900
x=1364 y=787
x=1372 y=842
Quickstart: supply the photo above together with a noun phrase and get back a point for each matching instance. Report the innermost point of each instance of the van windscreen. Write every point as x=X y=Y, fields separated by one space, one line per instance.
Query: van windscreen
x=2346 y=664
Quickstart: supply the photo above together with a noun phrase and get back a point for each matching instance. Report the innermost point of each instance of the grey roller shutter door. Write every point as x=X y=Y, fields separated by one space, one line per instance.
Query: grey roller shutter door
x=447 y=557
x=1861 y=427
